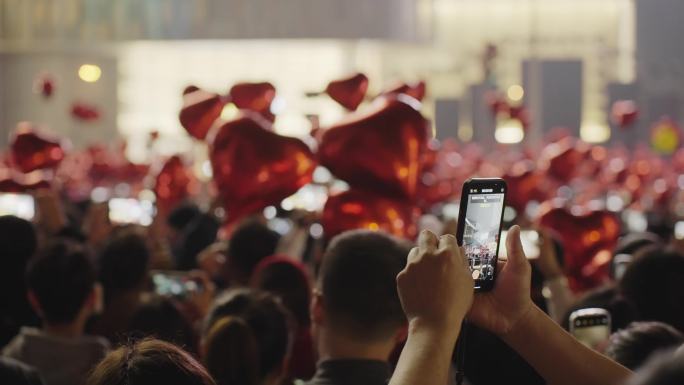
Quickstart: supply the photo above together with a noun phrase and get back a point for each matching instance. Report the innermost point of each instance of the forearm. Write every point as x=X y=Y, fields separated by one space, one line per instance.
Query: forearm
x=559 y=357
x=426 y=357
x=560 y=298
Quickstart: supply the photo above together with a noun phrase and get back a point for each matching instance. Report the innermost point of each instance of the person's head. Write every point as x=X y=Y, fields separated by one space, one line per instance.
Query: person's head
x=161 y=318
x=61 y=284
x=654 y=285
x=18 y=242
x=289 y=280
x=664 y=368
x=149 y=362
x=251 y=242
x=123 y=262
x=246 y=338
x=633 y=345
x=181 y=216
x=197 y=235
x=356 y=296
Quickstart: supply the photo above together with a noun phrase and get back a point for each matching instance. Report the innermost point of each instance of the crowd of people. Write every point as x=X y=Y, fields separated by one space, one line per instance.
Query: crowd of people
x=83 y=301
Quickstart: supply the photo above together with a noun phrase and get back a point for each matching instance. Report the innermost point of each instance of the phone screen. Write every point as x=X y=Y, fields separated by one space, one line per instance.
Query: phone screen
x=173 y=284
x=129 y=210
x=590 y=326
x=529 y=240
x=481 y=231
x=19 y=205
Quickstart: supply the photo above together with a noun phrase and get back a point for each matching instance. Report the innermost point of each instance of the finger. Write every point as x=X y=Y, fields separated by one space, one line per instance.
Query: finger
x=413 y=255
x=516 y=255
x=427 y=241
x=447 y=243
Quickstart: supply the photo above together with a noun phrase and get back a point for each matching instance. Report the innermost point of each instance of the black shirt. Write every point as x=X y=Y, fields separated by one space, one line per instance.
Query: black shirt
x=13 y=372
x=351 y=372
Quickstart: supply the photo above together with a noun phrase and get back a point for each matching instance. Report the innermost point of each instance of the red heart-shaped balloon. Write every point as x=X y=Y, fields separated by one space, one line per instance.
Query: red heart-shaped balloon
x=379 y=150
x=32 y=150
x=359 y=209
x=348 y=92
x=174 y=183
x=255 y=97
x=200 y=110
x=561 y=159
x=12 y=181
x=415 y=90
x=85 y=111
x=525 y=184
x=44 y=84
x=254 y=167
x=624 y=113
x=588 y=240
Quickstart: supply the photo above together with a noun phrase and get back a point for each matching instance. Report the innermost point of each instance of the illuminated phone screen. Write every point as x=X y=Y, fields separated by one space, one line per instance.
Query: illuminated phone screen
x=481 y=231
x=19 y=205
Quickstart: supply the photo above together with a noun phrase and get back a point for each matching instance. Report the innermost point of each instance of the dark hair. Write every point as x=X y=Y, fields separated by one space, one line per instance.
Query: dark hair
x=633 y=345
x=608 y=298
x=654 y=285
x=357 y=280
x=149 y=362
x=181 y=215
x=123 y=262
x=160 y=318
x=195 y=237
x=246 y=337
x=289 y=280
x=632 y=243
x=664 y=368
x=61 y=277
x=251 y=242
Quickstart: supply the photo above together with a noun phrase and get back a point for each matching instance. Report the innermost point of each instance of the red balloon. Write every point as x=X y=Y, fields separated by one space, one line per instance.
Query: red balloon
x=415 y=90
x=33 y=150
x=588 y=240
x=174 y=183
x=85 y=112
x=378 y=150
x=359 y=209
x=255 y=97
x=348 y=92
x=200 y=110
x=561 y=159
x=189 y=89
x=254 y=167
x=497 y=102
x=12 y=181
x=624 y=113
x=525 y=184
x=44 y=85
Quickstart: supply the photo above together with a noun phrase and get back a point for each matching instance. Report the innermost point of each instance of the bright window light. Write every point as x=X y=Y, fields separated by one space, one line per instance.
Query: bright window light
x=509 y=131
x=89 y=73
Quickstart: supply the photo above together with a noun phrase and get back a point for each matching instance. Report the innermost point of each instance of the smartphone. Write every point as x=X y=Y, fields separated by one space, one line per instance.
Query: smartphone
x=176 y=284
x=529 y=240
x=129 y=210
x=479 y=227
x=19 y=205
x=590 y=326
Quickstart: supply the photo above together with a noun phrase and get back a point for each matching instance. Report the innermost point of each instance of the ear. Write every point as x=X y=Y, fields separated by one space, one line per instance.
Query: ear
x=317 y=309
x=35 y=304
x=402 y=334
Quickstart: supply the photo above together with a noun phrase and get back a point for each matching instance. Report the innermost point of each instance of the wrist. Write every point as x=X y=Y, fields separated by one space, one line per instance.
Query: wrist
x=434 y=329
x=523 y=325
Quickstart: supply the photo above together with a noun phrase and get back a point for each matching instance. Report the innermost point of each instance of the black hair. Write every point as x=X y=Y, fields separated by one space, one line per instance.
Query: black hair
x=288 y=280
x=664 y=368
x=149 y=362
x=246 y=337
x=123 y=262
x=195 y=237
x=633 y=345
x=654 y=285
x=61 y=277
x=357 y=280
x=161 y=318
x=251 y=242
x=181 y=215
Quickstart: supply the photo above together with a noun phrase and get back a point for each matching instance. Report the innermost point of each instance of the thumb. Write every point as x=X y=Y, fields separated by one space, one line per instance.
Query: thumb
x=516 y=254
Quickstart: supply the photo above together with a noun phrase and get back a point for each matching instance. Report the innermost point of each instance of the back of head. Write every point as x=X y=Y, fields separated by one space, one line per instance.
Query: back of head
x=161 y=318
x=633 y=345
x=61 y=277
x=149 y=362
x=357 y=280
x=665 y=368
x=182 y=215
x=289 y=280
x=17 y=244
x=251 y=242
x=123 y=262
x=654 y=285
x=608 y=298
x=246 y=337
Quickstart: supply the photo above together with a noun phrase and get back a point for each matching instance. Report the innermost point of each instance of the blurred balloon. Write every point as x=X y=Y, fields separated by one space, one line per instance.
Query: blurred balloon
x=189 y=89
x=561 y=159
x=44 y=84
x=588 y=240
x=200 y=110
x=497 y=103
x=256 y=97
x=174 y=183
x=254 y=167
x=348 y=92
x=85 y=111
x=379 y=149
x=32 y=149
x=12 y=181
x=624 y=113
x=358 y=209
x=415 y=90
x=665 y=136
x=525 y=184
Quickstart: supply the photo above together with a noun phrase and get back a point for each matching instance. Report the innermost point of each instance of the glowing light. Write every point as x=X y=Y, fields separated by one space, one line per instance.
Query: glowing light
x=270 y=212
x=594 y=133
x=509 y=131
x=515 y=93
x=230 y=112
x=89 y=73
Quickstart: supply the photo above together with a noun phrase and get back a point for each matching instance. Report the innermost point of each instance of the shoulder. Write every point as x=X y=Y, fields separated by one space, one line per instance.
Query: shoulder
x=16 y=372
